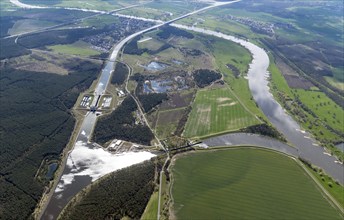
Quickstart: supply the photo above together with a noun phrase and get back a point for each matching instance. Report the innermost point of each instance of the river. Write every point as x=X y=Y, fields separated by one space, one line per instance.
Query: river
x=259 y=85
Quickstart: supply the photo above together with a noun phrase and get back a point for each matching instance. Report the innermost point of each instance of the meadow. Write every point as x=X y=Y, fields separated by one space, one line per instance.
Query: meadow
x=230 y=53
x=167 y=121
x=245 y=184
x=323 y=107
x=78 y=48
x=216 y=111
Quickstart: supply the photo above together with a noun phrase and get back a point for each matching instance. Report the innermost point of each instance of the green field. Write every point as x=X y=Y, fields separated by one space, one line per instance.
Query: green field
x=151 y=210
x=334 y=82
x=227 y=52
x=323 y=107
x=216 y=111
x=333 y=187
x=26 y=25
x=245 y=184
x=167 y=121
x=77 y=48
x=150 y=44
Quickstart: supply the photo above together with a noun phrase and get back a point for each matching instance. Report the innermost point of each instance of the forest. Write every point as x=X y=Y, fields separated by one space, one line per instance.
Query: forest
x=124 y=193
x=10 y=49
x=168 y=30
x=120 y=74
x=149 y=101
x=27 y=98
x=204 y=77
x=56 y=37
x=120 y=124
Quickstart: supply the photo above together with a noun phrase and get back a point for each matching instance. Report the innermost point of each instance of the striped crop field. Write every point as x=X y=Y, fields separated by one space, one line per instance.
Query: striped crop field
x=216 y=111
x=245 y=184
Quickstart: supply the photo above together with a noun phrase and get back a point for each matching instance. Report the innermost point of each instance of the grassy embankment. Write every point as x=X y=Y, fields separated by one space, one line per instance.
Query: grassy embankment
x=151 y=210
x=246 y=183
x=334 y=188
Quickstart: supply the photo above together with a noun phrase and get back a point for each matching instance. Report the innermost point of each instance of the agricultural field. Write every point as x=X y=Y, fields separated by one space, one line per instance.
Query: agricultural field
x=245 y=184
x=216 y=111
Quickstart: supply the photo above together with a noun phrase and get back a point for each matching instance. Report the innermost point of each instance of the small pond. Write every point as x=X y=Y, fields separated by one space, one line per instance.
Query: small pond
x=51 y=170
x=157 y=86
